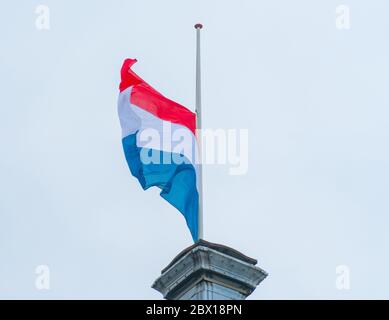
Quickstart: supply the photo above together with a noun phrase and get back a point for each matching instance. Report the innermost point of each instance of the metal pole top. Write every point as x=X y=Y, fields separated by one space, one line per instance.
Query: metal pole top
x=198 y=26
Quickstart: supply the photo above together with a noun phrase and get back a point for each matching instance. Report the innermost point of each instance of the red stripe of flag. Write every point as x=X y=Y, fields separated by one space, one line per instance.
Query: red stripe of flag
x=147 y=98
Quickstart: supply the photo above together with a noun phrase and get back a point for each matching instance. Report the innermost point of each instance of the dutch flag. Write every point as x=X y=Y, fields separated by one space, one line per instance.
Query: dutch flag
x=159 y=143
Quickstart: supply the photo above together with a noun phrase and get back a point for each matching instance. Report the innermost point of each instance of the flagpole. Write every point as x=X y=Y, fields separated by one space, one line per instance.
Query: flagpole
x=198 y=27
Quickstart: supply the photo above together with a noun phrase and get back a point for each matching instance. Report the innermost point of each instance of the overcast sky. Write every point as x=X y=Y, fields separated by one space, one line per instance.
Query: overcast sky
x=313 y=97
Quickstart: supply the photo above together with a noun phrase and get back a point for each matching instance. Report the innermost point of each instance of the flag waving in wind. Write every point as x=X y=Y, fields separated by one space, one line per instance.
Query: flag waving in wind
x=159 y=143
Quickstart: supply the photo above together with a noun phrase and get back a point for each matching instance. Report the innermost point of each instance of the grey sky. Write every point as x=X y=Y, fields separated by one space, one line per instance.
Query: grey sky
x=314 y=99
